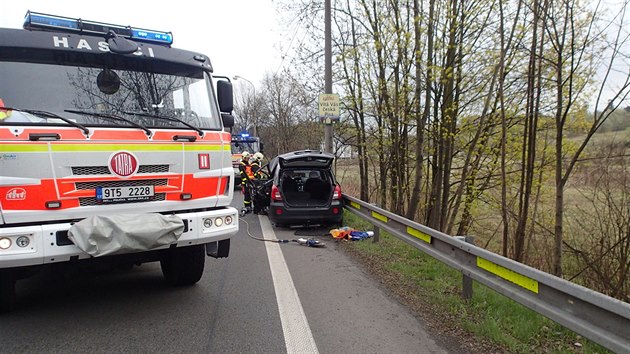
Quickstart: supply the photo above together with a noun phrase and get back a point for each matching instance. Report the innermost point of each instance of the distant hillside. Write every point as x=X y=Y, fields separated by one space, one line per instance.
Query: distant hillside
x=619 y=120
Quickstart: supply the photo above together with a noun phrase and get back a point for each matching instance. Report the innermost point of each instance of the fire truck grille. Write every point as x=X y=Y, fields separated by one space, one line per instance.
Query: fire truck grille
x=130 y=183
x=92 y=200
x=103 y=170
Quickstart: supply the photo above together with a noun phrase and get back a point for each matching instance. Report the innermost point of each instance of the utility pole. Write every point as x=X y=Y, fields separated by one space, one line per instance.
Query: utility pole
x=328 y=127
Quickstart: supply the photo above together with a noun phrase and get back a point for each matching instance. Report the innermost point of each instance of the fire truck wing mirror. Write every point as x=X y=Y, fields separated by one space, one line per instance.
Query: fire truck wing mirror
x=262 y=147
x=226 y=98
x=120 y=45
x=228 y=120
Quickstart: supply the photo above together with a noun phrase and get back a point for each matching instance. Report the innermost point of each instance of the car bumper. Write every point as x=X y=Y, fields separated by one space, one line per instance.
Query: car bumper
x=279 y=214
x=49 y=242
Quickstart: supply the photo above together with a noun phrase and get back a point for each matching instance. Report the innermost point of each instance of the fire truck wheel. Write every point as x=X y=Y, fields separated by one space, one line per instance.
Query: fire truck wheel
x=7 y=292
x=183 y=266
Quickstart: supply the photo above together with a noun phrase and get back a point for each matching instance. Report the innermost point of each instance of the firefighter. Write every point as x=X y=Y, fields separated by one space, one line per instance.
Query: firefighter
x=245 y=169
x=258 y=174
x=256 y=163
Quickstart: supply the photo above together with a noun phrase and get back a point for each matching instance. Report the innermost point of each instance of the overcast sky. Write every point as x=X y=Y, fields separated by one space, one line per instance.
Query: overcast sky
x=239 y=36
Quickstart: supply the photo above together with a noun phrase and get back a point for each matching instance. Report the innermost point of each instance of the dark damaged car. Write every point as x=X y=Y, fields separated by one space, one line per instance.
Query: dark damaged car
x=304 y=190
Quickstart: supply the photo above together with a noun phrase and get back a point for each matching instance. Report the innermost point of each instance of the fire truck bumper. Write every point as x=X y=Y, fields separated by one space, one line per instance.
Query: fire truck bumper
x=49 y=243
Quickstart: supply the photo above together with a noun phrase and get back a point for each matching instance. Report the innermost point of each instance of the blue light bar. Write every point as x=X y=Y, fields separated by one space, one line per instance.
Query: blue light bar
x=51 y=21
x=152 y=36
x=39 y=21
x=244 y=135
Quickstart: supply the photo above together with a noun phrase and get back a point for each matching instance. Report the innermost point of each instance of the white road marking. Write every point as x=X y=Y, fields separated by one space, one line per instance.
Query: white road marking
x=298 y=337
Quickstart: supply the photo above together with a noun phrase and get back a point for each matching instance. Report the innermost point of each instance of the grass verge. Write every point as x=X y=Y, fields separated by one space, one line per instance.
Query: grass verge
x=489 y=322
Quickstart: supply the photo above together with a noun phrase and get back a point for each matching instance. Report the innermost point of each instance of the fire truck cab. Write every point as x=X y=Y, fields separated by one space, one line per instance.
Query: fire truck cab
x=112 y=152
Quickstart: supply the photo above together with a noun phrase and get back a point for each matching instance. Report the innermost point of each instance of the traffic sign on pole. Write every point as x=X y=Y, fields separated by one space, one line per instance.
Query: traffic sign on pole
x=329 y=107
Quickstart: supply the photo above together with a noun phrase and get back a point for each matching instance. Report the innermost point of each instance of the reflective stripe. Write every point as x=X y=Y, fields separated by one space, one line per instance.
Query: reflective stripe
x=23 y=147
x=378 y=216
x=87 y=146
x=109 y=147
x=196 y=147
x=511 y=276
x=419 y=234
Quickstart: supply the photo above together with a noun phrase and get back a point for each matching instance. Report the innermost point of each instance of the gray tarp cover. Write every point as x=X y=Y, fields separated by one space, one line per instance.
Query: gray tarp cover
x=116 y=234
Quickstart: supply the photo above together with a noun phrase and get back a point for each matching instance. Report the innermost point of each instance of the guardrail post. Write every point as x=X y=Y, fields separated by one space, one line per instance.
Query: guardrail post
x=467 y=285
x=467 y=282
x=377 y=234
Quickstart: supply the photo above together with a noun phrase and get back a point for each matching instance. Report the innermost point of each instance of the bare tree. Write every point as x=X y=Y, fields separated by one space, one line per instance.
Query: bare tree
x=248 y=109
x=289 y=113
x=571 y=47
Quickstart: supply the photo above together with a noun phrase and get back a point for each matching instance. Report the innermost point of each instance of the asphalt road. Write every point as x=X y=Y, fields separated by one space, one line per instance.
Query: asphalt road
x=265 y=298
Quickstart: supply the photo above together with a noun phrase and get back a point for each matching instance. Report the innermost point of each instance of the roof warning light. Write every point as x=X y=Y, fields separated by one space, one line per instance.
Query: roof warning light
x=39 y=21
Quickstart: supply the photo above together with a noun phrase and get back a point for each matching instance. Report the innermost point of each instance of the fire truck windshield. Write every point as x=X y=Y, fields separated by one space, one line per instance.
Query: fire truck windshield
x=250 y=146
x=138 y=96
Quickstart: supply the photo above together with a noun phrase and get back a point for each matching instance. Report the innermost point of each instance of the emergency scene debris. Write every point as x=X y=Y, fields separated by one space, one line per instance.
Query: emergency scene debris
x=348 y=233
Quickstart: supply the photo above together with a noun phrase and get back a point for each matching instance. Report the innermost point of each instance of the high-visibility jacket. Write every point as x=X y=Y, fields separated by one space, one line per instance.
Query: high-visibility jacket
x=257 y=171
x=246 y=172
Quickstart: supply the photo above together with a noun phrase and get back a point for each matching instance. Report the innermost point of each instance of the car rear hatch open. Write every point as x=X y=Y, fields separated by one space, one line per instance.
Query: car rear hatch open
x=306 y=158
x=306 y=180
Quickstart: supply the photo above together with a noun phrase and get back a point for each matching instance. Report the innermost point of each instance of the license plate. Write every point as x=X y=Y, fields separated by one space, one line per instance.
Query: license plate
x=123 y=194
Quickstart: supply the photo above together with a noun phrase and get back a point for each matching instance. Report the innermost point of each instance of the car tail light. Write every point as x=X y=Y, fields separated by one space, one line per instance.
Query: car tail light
x=337 y=193
x=275 y=193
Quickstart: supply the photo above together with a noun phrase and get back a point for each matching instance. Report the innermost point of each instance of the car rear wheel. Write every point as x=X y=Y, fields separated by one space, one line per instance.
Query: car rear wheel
x=183 y=266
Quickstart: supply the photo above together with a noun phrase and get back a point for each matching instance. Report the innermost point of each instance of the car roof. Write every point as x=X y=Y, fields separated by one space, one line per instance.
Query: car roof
x=305 y=158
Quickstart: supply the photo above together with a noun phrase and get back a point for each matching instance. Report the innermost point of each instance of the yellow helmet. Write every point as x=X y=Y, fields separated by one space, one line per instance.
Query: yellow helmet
x=258 y=156
x=245 y=155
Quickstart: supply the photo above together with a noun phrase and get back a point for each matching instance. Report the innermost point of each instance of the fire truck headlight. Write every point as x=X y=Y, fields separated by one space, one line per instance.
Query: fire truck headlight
x=5 y=243
x=23 y=241
x=207 y=223
x=218 y=222
x=228 y=220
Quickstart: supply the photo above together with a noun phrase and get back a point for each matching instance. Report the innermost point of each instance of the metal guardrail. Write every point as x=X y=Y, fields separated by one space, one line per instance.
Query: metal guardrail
x=600 y=318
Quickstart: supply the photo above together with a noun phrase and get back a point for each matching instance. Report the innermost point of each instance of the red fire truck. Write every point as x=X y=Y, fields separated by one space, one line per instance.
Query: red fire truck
x=112 y=152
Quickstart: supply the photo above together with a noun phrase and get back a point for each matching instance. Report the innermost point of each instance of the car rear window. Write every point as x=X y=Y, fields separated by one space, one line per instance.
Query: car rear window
x=304 y=174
